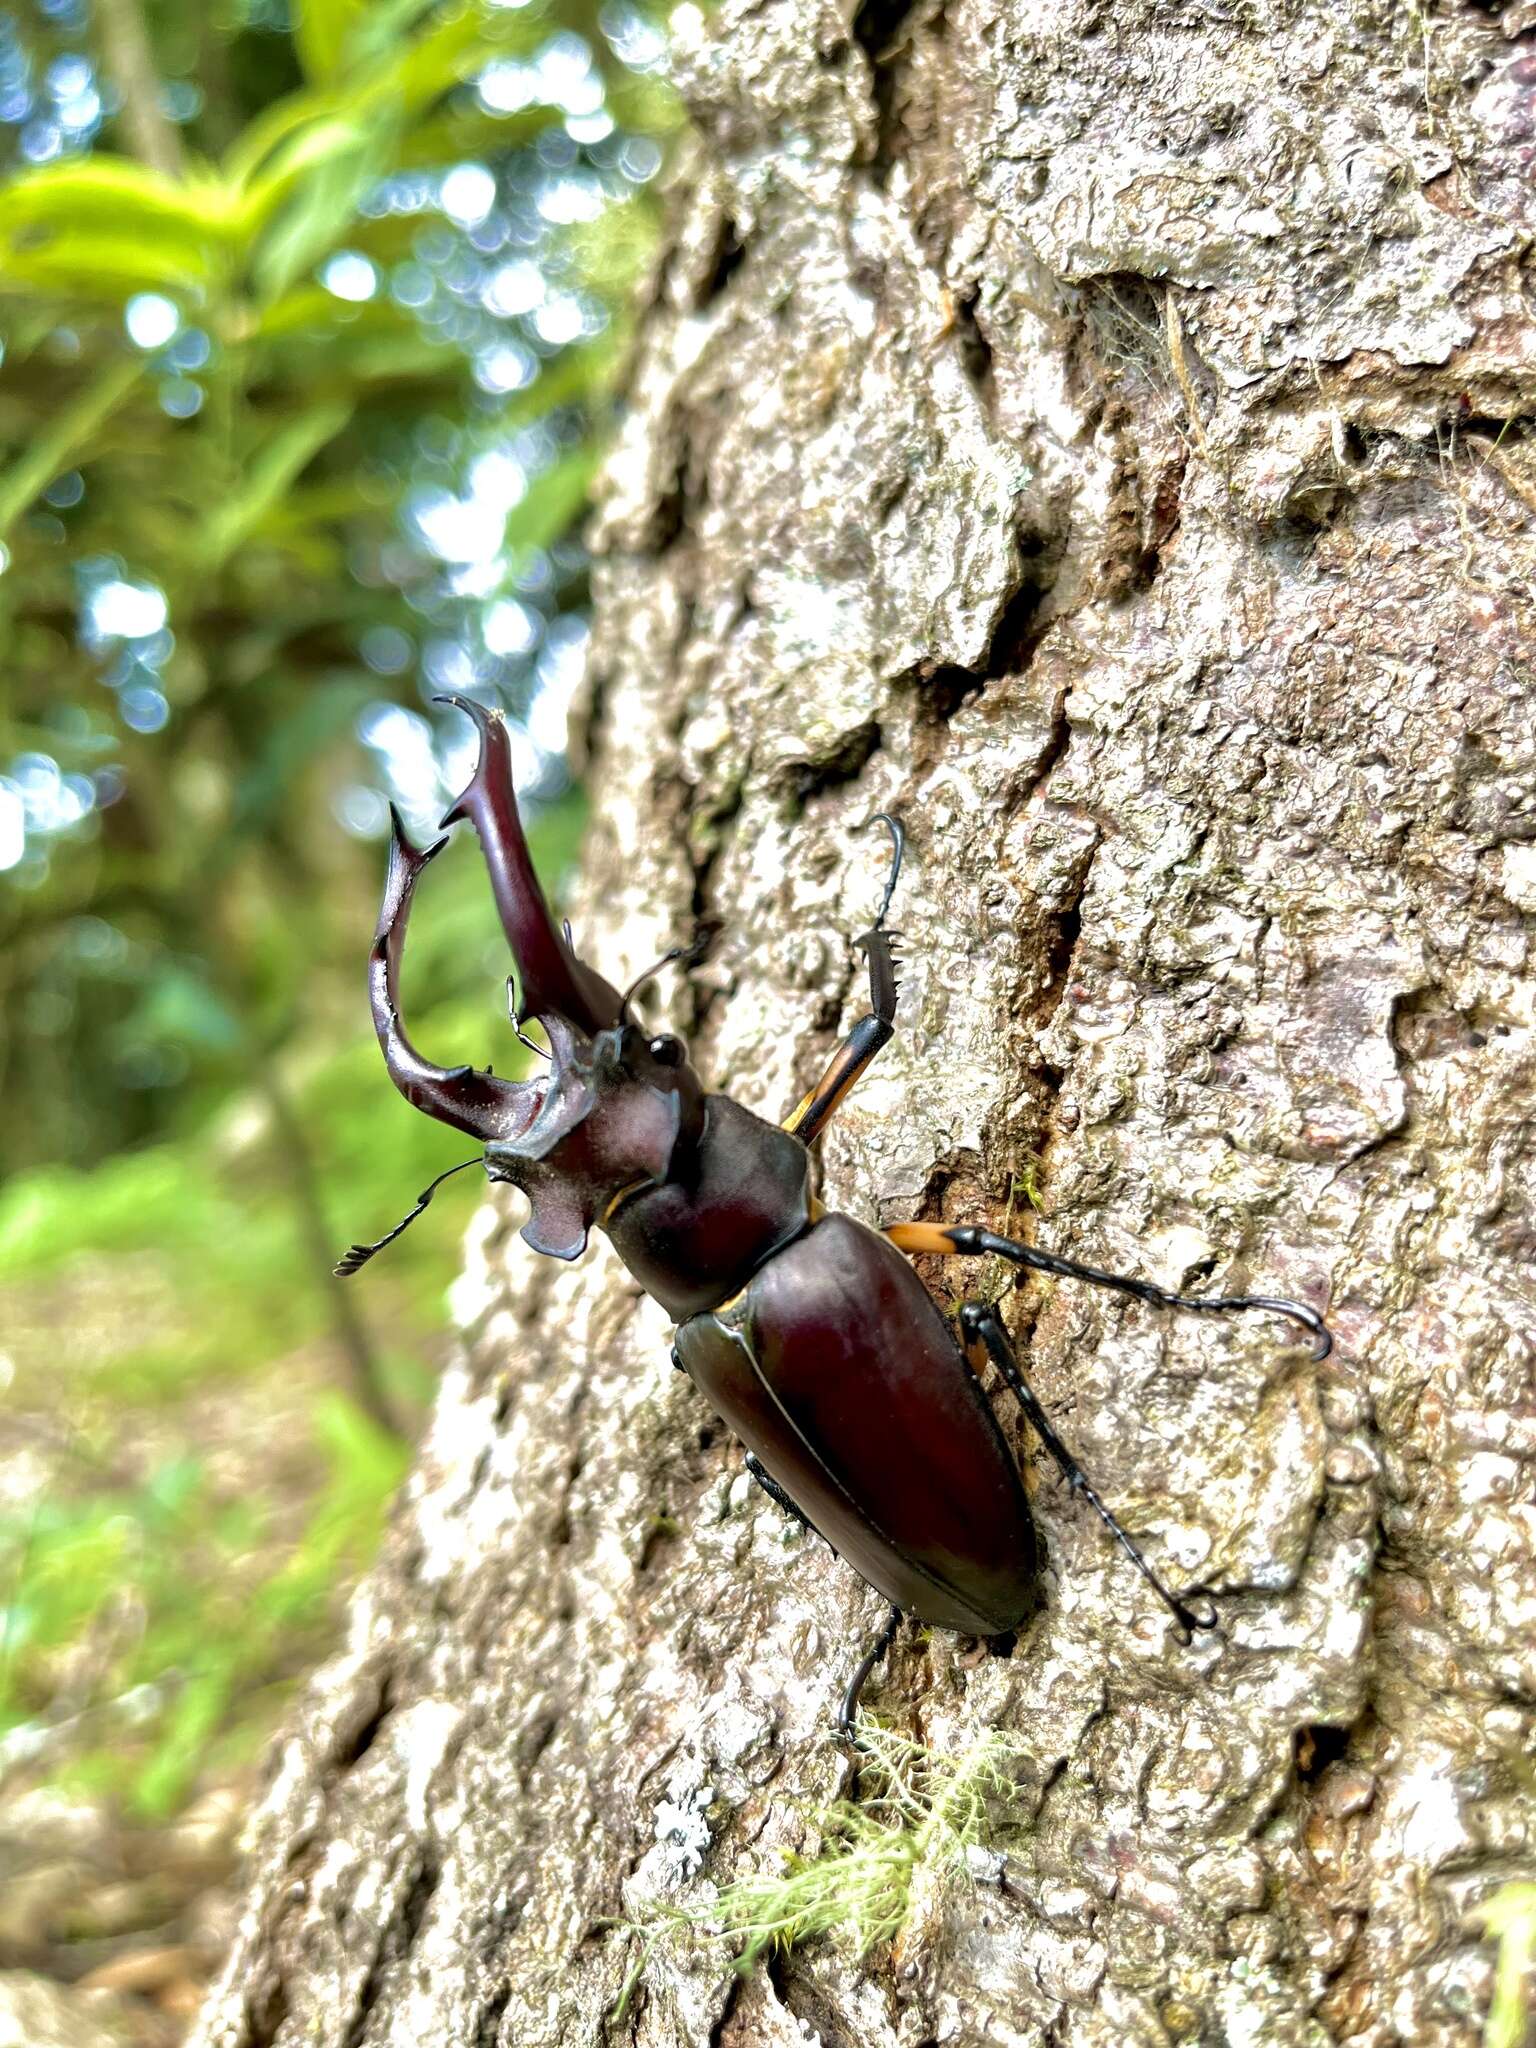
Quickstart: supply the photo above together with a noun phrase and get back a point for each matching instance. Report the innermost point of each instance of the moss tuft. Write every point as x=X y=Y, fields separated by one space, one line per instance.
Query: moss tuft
x=1509 y=1917
x=916 y=1829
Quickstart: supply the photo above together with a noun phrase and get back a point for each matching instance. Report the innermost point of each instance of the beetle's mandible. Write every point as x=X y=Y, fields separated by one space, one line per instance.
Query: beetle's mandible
x=809 y=1333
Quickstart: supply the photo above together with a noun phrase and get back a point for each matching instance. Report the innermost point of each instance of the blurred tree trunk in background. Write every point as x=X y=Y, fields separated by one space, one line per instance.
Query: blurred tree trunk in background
x=1097 y=433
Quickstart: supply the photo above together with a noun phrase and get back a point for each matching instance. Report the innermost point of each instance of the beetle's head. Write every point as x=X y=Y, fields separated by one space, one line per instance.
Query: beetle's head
x=619 y=1108
x=621 y=1111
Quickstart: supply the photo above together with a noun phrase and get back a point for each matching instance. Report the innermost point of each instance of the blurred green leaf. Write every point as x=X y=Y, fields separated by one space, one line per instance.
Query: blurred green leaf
x=118 y=199
x=270 y=474
x=104 y=269
x=65 y=436
x=180 y=1007
x=322 y=29
x=322 y=205
x=552 y=501
x=454 y=48
x=269 y=129
x=181 y=989
x=314 y=146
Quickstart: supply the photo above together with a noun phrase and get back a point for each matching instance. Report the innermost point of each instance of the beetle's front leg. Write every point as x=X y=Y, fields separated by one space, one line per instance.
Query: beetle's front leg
x=814 y=1111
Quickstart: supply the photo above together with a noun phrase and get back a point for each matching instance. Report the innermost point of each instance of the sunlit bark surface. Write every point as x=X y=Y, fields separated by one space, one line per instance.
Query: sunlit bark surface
x=1097 y=432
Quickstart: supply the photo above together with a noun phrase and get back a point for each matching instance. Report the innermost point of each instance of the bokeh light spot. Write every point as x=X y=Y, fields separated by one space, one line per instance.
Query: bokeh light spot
x=361 y=811
x=13 y=825
x=181 y=398
x=467 y=194
x=151 y=320
x=120 y=610
x=386 y=650
x=144 y=708
x=349 y=275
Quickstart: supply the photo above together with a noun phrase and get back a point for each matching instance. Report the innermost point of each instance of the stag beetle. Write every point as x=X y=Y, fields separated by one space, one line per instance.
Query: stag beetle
x=808 y=1332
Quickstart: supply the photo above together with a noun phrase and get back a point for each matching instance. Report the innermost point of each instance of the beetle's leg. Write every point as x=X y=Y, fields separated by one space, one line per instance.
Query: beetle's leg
x=948 y=1240
x=811 y=1114
x=775 y=1492
x=848 y=1705
x=981 y=1326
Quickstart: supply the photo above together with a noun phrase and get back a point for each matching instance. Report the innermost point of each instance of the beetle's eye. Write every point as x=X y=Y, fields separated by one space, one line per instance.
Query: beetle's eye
x=667 y=1052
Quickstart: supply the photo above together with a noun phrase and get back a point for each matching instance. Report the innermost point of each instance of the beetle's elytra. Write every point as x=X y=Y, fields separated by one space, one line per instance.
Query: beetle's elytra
x=809 y=1333
x=835 y=1368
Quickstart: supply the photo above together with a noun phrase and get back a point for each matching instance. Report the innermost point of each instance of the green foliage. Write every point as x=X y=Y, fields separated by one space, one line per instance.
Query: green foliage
x=161 y=1603
x=1509 y=1918
x=236 y=234
x=920 y=1820
x=268 y=516
x=207 y=1631
x=195 y=1116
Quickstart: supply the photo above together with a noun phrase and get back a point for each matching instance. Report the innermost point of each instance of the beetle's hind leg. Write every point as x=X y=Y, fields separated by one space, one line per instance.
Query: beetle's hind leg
x=981 y=1328
x=814 y=1111
x=848 y=1705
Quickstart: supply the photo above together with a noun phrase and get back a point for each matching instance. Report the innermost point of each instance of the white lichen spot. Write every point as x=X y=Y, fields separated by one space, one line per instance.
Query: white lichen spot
x=986 y=1866
x=1518 y=877
x=682 y=1831
x=334 y=1864
x=1187 y=1545
x=1487 y=1477
x=291 y=1775
x=1344 y=1633
x=738 y=1728
x=1180 y=1251
x=1432 y=1827
x=423 y=1733
x=739 y=1492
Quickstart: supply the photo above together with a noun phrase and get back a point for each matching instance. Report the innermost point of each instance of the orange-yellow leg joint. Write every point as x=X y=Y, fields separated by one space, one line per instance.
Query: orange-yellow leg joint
x=933 y=1238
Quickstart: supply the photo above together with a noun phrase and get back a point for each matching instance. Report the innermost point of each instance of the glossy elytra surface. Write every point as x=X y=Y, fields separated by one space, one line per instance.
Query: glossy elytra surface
x=836 y=1368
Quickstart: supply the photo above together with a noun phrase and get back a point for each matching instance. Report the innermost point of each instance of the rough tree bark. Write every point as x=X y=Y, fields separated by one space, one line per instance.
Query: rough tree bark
x=1096 y=431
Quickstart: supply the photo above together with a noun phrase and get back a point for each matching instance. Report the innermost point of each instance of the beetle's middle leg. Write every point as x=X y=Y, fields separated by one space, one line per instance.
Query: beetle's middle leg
x=981 y=1328
x=776 y=1493
x=812 y=1113
x=966 y=1240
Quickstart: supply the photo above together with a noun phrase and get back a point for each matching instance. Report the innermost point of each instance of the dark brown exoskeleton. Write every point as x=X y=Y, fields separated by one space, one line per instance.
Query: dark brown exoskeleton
x=809 y=1333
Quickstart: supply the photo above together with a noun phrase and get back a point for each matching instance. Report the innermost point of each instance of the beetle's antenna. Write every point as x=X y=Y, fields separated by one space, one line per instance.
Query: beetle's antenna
x=675 y=953
x=691 y=955
x=359 y=1254
x=517 y=1030
x=899 y=847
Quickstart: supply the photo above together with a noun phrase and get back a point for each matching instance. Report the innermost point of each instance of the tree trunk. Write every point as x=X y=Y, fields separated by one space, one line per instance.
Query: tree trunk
x=1096 y=433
